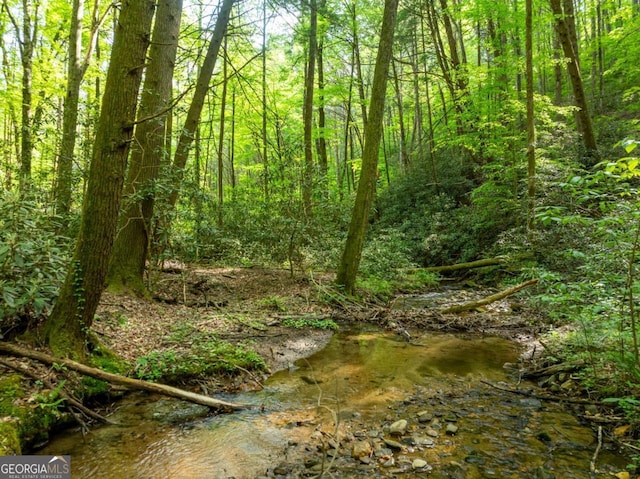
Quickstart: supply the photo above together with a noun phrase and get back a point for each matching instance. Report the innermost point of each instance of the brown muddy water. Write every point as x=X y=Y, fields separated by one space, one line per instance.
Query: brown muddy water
x=342 y=402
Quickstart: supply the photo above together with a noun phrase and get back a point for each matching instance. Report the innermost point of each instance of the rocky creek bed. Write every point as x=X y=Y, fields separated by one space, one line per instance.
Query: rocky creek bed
x=368 y=405
x=400 y=391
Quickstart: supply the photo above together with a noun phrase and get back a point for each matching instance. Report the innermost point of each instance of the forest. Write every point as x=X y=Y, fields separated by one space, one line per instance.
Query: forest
x=353 y=145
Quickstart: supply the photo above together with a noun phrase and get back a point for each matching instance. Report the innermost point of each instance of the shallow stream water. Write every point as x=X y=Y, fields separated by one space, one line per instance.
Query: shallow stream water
x=352 y=391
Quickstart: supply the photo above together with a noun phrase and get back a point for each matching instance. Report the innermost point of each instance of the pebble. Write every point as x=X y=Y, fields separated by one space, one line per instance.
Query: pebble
x=432 y=432
x=451 y=429
x=361 y=449
x=424 y=416
x=392 y=444
x=398 y=428
x=419 y=463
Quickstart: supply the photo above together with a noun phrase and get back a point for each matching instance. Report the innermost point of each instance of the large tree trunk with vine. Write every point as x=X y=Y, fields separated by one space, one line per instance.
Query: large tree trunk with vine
x=126 y=269
x=350 y=262
x=67 y=329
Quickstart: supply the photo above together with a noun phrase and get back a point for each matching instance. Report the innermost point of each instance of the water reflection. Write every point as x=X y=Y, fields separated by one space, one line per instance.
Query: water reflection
x=367 y=375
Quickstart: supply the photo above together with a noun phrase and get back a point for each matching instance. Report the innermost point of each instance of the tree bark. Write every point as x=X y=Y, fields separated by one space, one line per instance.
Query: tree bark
x=66 y=330
x=126 y=269
x=131 y=383
x=350 y=261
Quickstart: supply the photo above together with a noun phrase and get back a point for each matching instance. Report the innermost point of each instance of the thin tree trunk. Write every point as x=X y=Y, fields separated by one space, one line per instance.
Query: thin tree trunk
x=404 y=162
x=67 y=329
x=307 y=113
x=350 y=261
x=531 y=129
x=26 y=35
x=564 y=34
x=195 y=108
x=265 y=158
x=358 y=65
x=77 y=65
x=223 y=107
x=323 y=160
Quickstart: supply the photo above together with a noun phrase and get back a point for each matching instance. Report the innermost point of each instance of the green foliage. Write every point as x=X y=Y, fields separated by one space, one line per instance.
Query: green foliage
x=274 y=303
x=33 y=261
x=587 y=256
x=313 y=323
x=447 y=218
x=202 y=360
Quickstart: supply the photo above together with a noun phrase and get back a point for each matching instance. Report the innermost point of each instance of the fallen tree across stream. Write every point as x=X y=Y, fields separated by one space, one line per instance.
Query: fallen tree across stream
x=460 y=266
x=459 y=308
x=14 y=350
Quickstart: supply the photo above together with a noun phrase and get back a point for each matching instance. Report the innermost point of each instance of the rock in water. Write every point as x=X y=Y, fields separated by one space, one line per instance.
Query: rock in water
x=398 y=428
x=361 y=449
x=419 y=463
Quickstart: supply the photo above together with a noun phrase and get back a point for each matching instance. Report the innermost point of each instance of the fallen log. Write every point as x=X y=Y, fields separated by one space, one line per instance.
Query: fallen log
x=459 y=308
x=131 y=383
x=567 y=367
x=456 y=267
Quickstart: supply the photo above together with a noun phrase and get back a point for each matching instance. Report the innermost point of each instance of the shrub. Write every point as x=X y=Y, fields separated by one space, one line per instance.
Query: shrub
x=33 y=262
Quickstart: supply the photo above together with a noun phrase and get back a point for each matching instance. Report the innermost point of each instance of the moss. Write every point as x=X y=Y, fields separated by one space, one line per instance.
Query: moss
x=10 y=389
x=10 y=437
x=25 y=421
x=106 y=359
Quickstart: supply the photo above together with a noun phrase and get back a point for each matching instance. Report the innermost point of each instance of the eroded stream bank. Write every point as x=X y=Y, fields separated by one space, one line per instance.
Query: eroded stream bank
x=368 y=405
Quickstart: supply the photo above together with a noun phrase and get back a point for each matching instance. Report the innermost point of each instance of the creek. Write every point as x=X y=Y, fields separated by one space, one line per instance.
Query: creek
x=349 y=400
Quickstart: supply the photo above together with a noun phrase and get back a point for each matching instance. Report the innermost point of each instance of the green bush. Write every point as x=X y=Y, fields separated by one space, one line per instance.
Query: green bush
x=33 y=262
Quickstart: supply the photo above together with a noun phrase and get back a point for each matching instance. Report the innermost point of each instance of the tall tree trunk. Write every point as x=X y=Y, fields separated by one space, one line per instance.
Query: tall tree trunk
x=223 y=107
x=350 y=261
x=67 y=329
x=358 y=65
x=131 y=246
x=404 y=155
x=195 y=108
x=531 y=129
x=307 y=113
x=26 y=35
x=77 y=65
x=564 y=34
x=323 y=160
x=265 y=157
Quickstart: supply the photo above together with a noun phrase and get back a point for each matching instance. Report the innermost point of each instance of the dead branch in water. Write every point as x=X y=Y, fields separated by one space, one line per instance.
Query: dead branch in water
x=459 y=308
x=131 y=383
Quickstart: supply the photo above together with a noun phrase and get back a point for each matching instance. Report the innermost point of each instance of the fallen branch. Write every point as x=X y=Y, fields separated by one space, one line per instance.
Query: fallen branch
x=131 y=383
x=592 y=466
x=489 y=299
x=566 y=367
x=457 y=267
x=544 y=397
